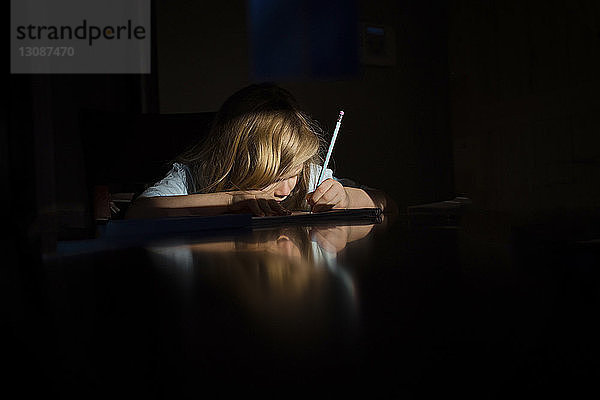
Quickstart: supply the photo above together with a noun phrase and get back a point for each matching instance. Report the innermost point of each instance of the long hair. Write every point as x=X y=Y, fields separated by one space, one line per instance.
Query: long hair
x=258 y=137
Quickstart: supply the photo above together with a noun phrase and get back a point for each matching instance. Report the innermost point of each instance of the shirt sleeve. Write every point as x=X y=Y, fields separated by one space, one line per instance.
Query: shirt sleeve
x=173 y=184
x=315 y=171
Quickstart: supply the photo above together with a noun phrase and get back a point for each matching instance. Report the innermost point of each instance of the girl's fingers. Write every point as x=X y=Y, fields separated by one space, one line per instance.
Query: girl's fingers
x=327 y=205
x=254 y=208
x=321 y=190
x=324 y=204
x=265 y=207
x=281 y=210
x=331 y=195
x=271 y=207
x=275 y=207
x=258 y=206
x=341 y=195
x=329 y=199
x=322 y=207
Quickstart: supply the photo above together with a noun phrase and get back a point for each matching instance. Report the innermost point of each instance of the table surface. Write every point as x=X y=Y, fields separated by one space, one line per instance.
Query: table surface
x=392 y=308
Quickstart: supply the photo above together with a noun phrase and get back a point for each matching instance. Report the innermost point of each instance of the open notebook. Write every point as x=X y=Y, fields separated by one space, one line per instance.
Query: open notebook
x=350 y=216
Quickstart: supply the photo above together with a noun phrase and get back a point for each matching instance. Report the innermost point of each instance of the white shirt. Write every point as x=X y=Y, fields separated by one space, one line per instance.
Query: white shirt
x=177 y=181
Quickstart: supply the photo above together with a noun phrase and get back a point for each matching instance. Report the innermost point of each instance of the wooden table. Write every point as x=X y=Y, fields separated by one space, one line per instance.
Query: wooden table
x=388 y=309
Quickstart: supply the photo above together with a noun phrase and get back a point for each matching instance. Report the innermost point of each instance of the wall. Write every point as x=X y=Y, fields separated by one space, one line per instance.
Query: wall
x=46 y=157
x=525 y=110
x=395 y=134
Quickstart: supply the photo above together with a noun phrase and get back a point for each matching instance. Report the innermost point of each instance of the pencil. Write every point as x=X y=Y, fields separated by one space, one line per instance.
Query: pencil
x=330 y=150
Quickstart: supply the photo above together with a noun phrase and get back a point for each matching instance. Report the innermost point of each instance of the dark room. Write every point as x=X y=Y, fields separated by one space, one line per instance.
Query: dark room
x=301 y=198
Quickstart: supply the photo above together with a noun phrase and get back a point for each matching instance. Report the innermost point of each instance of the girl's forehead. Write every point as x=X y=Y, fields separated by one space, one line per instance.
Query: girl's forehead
x=296 y=171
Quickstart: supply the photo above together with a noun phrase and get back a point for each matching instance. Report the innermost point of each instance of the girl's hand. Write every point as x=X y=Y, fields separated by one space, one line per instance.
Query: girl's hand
x=330 y=194
x=257 y=203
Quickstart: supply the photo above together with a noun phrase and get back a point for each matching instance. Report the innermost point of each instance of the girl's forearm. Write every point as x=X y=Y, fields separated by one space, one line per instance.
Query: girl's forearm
x=208 y=204
x=187 y=205
x=358 y=198
x=370 y=198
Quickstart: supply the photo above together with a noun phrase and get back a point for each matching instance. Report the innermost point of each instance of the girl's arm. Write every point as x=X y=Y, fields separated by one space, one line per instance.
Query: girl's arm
x=184 y=205
x=331 y=194
x=360 y=197
x=205 y=204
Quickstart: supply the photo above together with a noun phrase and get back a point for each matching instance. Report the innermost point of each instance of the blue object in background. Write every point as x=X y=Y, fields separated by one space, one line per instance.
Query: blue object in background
x=303 y=39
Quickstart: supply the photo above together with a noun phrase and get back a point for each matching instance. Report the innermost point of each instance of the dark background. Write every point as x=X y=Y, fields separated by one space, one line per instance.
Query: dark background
x=493 y=100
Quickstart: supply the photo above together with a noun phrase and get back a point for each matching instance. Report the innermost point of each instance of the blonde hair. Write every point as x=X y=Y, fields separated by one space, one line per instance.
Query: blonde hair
x=258 y=137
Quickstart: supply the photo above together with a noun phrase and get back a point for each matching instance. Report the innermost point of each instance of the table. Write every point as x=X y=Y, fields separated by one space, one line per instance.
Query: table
x=389 y=309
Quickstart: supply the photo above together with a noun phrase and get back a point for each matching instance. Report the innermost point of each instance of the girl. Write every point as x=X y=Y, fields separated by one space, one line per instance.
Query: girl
x=261 y=156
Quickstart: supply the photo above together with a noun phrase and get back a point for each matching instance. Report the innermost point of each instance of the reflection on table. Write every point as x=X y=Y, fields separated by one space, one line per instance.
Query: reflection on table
x=286 y=279
x=331 y=309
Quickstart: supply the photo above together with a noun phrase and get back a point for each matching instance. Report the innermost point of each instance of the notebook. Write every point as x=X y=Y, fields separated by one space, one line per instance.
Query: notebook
x=346 y=216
